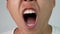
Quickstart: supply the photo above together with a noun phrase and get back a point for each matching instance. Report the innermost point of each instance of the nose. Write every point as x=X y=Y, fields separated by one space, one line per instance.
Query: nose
x=29 y=0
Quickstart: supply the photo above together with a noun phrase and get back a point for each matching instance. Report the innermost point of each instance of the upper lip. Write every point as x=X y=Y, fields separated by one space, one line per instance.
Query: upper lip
x=30 y=8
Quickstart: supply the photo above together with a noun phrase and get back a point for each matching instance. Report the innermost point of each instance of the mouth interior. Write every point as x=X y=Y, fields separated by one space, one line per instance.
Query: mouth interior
x=29 y=18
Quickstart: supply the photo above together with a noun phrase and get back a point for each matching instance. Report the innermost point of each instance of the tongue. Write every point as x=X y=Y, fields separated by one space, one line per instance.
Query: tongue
x=30 y=22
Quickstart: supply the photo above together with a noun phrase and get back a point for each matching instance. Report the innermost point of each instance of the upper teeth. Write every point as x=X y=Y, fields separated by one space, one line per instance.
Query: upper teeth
x=29 y=11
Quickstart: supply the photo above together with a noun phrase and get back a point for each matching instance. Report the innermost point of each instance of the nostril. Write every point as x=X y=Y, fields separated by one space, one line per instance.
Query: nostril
x=31 y=0
x=28 y=0
x=25 y=0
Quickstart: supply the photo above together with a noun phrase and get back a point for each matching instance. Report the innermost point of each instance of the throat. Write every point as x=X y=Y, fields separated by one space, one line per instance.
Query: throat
x=48 y=30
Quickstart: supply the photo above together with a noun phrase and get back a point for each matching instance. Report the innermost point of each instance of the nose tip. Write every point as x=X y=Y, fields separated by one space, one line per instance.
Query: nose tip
x=28 y=0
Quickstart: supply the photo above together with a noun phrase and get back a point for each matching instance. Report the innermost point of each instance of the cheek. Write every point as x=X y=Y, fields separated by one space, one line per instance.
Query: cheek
x=45 y=11
x=13 y=4
x=45 y=6
x=42 y=3
x=13 y=7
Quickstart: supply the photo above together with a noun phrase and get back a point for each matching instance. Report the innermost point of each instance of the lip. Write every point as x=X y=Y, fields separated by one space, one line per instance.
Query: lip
x=28 y=9
x=36 y=16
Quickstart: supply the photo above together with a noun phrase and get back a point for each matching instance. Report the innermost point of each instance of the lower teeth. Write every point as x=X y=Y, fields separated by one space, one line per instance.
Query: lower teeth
x=30 y=24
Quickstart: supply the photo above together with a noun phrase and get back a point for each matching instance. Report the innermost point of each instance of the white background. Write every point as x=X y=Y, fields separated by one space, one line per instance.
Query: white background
x=6 y=22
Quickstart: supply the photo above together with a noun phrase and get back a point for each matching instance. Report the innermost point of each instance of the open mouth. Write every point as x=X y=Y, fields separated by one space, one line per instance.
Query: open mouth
x=29 y=17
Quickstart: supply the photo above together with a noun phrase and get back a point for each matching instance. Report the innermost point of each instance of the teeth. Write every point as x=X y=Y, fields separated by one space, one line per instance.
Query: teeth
x=30 y=24
x=29 y=11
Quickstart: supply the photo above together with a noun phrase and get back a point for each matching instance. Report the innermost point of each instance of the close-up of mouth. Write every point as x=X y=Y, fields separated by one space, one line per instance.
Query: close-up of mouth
x=29 y=16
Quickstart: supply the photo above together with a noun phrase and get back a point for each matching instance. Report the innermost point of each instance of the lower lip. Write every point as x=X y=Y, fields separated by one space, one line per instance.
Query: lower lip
x=31 y=26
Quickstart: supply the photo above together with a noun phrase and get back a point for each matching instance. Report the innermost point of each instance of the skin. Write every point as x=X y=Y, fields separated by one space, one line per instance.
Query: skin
x=43 y=9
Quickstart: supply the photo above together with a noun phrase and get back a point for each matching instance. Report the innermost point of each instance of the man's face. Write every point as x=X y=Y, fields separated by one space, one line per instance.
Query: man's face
x=31 y=14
